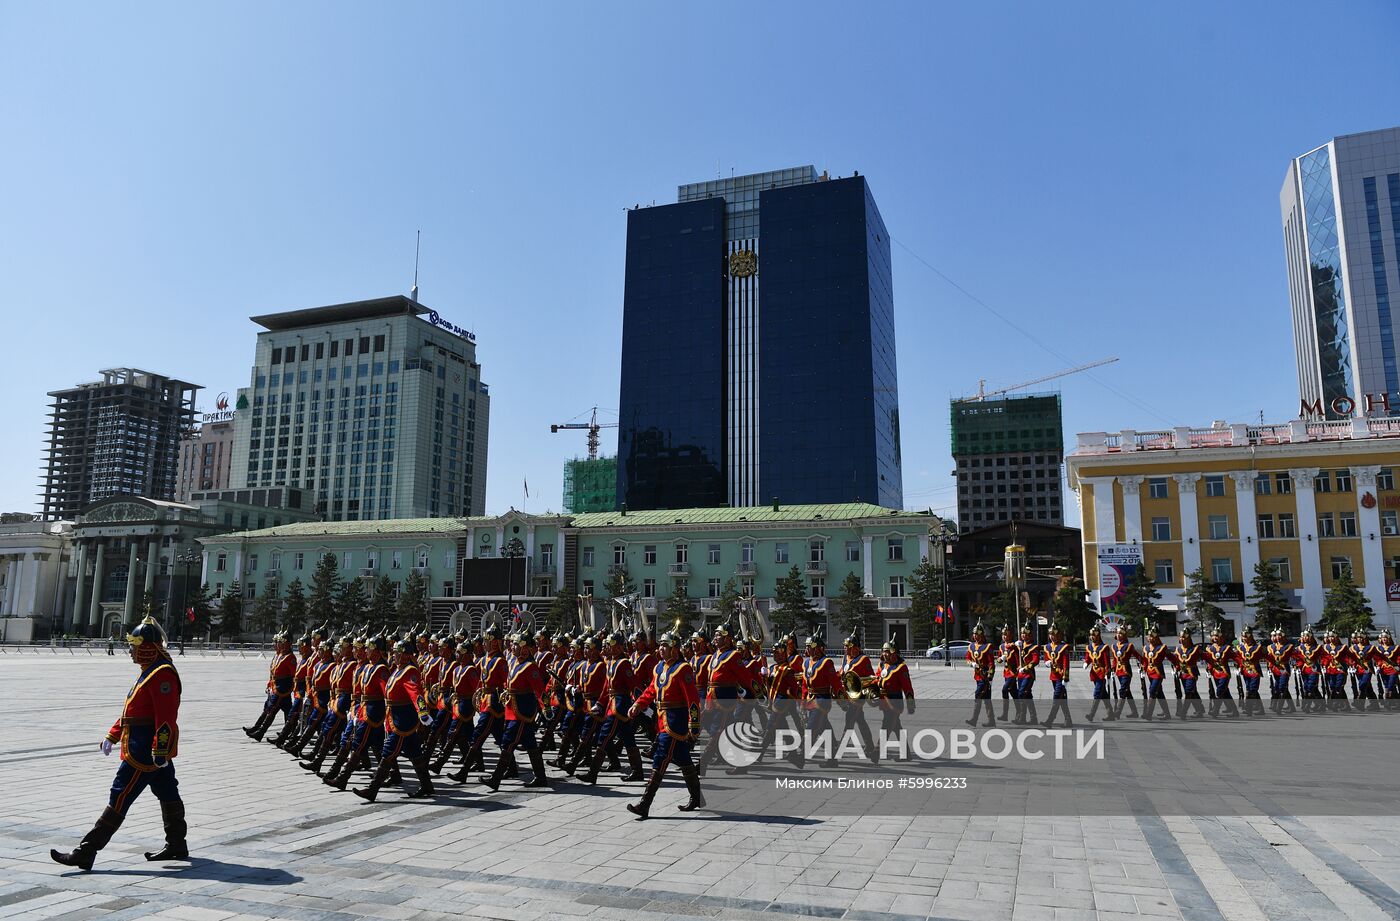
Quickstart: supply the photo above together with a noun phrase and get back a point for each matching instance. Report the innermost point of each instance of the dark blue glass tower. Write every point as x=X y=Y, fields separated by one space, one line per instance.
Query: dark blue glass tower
x=758 y=356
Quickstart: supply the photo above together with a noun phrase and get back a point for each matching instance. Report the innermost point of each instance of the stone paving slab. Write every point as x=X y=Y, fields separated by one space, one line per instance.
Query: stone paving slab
x=271 y=842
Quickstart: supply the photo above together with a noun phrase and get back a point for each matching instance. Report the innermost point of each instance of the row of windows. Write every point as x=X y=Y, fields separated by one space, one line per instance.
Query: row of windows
x=816 y=587
x=1002 y=461
x=1280 y=483
x=1223 y=569
x=1282 y=525
x=816 y=552
x=289 y=354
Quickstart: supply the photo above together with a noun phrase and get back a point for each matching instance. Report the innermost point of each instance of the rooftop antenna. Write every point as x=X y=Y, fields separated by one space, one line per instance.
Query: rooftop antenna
x=417 y=246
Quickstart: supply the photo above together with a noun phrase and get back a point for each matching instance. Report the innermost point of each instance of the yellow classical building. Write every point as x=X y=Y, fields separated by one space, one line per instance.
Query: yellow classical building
x=1311 y=498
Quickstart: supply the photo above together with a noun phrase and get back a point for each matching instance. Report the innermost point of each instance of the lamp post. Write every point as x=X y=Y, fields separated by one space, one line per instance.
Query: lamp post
x=186 y=559
x=513 y=548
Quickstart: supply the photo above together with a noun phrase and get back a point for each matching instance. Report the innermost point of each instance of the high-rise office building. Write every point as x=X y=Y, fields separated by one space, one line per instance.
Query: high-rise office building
x=375 y=408
x=758 y=355
x=1008 y=451
x=1341 y=230
x=206 y=459
x=114 y=436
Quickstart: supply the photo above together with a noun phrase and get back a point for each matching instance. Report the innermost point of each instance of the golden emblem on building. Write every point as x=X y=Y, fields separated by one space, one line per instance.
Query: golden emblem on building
x=743 y=263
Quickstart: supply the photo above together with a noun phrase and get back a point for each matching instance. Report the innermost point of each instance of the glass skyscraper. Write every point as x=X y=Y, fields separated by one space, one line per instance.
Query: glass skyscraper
x=1341 y=229
x=758 y=356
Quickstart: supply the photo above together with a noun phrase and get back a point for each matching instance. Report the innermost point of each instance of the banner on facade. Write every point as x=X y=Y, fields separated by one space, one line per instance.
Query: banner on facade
x=1392 y=589
x=1118 y=563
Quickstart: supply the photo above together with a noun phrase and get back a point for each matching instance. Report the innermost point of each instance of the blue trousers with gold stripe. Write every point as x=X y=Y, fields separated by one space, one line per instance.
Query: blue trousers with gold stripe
x=129 y=783
x=396 y=744
x=670 y=750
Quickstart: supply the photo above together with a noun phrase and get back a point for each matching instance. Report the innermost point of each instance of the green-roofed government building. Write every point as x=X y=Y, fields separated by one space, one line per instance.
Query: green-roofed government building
x=468 y=574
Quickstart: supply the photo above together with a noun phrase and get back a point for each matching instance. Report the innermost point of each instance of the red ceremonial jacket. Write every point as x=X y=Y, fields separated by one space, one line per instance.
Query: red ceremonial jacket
x=147 y=729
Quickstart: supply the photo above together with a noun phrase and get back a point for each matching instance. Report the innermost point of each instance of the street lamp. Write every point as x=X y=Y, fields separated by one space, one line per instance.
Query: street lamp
x=513 y=548
x=186 y=559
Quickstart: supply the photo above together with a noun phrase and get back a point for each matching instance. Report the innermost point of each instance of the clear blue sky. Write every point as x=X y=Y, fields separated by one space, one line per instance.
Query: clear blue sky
x=1104 y=175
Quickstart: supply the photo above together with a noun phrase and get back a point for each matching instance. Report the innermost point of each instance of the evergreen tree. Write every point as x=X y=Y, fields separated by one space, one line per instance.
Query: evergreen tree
x=794 y=607
x=619 y=584
x=1346 y=608
x=294 y=608
x=200 y=605
x=352 y=606
x=562 y=614
x=1270 y=607
x=381 y=606
x=1074 y=612
x=850 y=605
x=925 y=594
x=231 y=611
x=1202 y=615
x=682 y=609
x=412 y=607
x=325 y=589
x=265 y=613
x=729 y=600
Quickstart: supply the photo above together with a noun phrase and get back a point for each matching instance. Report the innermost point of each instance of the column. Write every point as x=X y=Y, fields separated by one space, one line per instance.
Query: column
x=867 y=555
x=1310 y=551
x=5 y=604
x=1368 y=521
x=1248 y=523
x=203 y=567
x=238 y=567
x=152 y=562
x=1190 y=522
x=17 y=593
x=500 y=540
x=559 y=544
x=1105 y=531
x=471 y=544
x=1132 y=507
x=79 y=599
x=131 y=600
x=31 y=583
x=923 y=546
x=530 y=541
x=99 y=572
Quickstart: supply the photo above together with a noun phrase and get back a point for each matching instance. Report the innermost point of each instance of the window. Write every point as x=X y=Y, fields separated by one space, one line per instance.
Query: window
x=896 y=550
x=249 y=590
x=1266 y=526
x=1348 y=522
x=1283 y=568
x=682 y=553
x=1390 y=522
x=1340 y=564
x=746 y=586
x=221 y=563
x=649 y=555
x=746 y=552
x=379 y=343
x=364 y=345
x=335 y=348
x=274 y=561
x=1221 y=570
x=587 y=557
x=1322 y=482
x=396 y=560
x=1215 y=485
x=1343 y=480
x=648 y=588
x=896 y=586
x=547 y=556
x=818 y=587
x=713 y=554
x=219 y=590
x=1157 y=487
x=1385 y=480
x=1161 y=529
x=852 y=551
x=252 y=563
x=1263 y=486
x=712 y=588
x=345 y=560
x=298 y=560
x=1285 y=525
x=816 y=551
x=780 y=552
x=1283 y=483
x=619 y=555
x=1326 y=526
x=1219 y=527
x=1164 y=572
x=588 y=586
x=372 y=559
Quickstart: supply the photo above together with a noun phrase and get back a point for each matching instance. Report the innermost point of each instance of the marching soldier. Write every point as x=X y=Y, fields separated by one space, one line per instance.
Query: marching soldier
x=644 y=661
x=408 y=716
x=463 y=677
x=820 y=686
x=857 y=663
x=784 y=696
x=1363 y=656
x=1028 y=653
x=1280 y=656
x=320 y=700
x=523 y=692
x=673 y=691
x=896 y=690
x=591 y=680
x=148 y=734
x=1309 y=668
x=700 y=661
x=1155 y=657
x=342 y=678
x=983 y=655
x=1008 y=654
x=729 y=675
x=618 y=730
x=280 y=675
x=1218 y=656
x=1056 y=656
x=1336 y=659
x=1187 y=661
x=1251 y=655
x=369 y=725
x=1124 y=654
x=574 y=715
x=1388 y=661
x=1098 y=658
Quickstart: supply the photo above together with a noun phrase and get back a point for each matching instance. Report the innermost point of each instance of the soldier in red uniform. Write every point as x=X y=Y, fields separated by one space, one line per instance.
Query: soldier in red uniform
x=574 y=715
x=490 y=713
x=301 y=692
x=1009 y=656
x=1388 y=661
x=1219 y=656
x=1055 y=654
x=618 y=731
x=1155 y=657
x=784 y=698
x=1363 y=658
x=1028 y=653
x=1124 y=654
x=591 y=680
x=1336 y=659
x=701 y=650
x=149 y=735
x=1186 y=661
x=729 y=677
x=369 y=724
x=319 y=702
x=821 y=685
x=1251 y=656
x=672 y=689
x=523 y=693
x=280 y=675
x=463 y=678
x=983 y=656
x=858 y=663
x=1098 y=657
x=1280 y=656
x=644 y=661
x=1309 y=669
x=897 y=691
x=407 y=719
x=342 y=676
x=433 y=668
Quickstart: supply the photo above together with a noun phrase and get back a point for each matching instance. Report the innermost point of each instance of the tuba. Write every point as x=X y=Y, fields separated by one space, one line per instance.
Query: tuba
x=750 y=621
x=858 y=688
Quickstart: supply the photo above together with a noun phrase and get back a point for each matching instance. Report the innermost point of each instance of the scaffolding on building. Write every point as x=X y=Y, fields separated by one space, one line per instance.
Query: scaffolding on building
x=590 y=485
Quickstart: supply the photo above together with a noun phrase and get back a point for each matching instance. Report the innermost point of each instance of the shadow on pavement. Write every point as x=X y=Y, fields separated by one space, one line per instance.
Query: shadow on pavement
x=204 y=868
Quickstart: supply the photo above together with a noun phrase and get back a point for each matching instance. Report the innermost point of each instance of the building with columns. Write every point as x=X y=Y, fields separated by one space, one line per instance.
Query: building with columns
x=469 y=570
x=1310 y=498
x=32 y=556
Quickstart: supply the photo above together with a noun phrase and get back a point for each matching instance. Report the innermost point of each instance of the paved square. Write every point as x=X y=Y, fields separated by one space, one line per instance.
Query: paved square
x=272 y=842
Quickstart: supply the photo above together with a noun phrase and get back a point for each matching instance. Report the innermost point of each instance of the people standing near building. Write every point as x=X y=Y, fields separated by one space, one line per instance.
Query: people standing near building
x=1187 y=661
x=983 y=656
x=281 y=673
x=148 y=734
x=1124 y=654
x=1098 y=658
x=677 y=700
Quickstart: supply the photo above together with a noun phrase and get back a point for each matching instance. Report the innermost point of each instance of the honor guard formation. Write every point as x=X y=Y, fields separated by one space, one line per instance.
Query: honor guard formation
x=1318 y=674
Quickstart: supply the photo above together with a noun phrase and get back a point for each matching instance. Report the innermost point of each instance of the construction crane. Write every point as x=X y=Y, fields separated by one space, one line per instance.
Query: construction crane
x=983 y=393
x=592 y=425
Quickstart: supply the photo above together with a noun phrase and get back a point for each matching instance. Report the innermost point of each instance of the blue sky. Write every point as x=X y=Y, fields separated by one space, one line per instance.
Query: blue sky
x=1103 y=175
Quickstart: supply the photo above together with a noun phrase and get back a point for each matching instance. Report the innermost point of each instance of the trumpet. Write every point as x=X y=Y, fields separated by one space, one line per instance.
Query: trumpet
x=858 y=688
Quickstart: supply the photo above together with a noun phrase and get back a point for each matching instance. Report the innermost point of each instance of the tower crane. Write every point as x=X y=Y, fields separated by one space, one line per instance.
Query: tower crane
x=592 y=425
x=983 y=393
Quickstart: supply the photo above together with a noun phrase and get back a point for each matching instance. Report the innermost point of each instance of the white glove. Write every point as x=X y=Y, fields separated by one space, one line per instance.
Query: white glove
x=106 y=747
x=425 y=720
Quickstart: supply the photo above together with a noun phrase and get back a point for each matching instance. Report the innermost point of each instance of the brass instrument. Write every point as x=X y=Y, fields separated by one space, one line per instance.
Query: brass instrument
x=750 y=621
x=480 y=697
x=858 y=688
x=507 y=698
x=585 y=612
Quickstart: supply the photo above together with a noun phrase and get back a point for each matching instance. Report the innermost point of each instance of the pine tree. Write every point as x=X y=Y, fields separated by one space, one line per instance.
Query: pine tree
x=563 y=613
x=264 y=614
x=729 y=599
x=412 y=607
x=1346 y=608
x=925 y=594
x=231 y=611
x=1074 y=612
x=294 y=609
x=794 y=607
x=680 y=607
x=1270 y=607
x=619 y=584
x=1202 y=615
x=850 y=604
x=325 y=589
x=352 y=606
x=201 y=606
x=381 y=605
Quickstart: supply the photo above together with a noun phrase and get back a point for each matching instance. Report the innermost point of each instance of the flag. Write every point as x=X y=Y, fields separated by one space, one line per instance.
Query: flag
x=189 y=614
x=527 y=489
x=938 y=614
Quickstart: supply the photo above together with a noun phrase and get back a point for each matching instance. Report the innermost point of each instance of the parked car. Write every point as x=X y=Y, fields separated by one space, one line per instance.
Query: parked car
x=957 y=650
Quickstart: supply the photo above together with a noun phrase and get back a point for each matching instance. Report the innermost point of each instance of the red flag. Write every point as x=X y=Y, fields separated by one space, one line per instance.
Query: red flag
x=938 y=614
x=189 y=613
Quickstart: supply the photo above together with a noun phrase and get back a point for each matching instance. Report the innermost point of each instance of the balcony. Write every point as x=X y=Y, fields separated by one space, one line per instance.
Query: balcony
x=745 y=569
x=680 y=569
x=708 y=604
x=368 y=572
x=616 y=568
x=649 y=605
x=895 y=604
x=816 y=567
x=818 y=604
x=272 y=575
x=421 y=570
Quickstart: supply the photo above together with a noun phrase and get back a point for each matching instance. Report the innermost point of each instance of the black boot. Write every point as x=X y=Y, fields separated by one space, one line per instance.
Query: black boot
x=537 y=765
x=512 y=769
x=692 y=783
x=172 y=813
x=448 y=747
x=590 y=776
x=94 y=841
x=264 y=720
x=336 y=765
x=318 y=755
x=494 y=780
x=381 y=776
x=634 y=761
x=425 y=780
x=642 y=809
x=341 y=780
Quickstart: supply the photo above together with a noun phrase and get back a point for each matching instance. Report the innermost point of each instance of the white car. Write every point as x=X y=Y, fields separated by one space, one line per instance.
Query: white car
x=957 y=649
